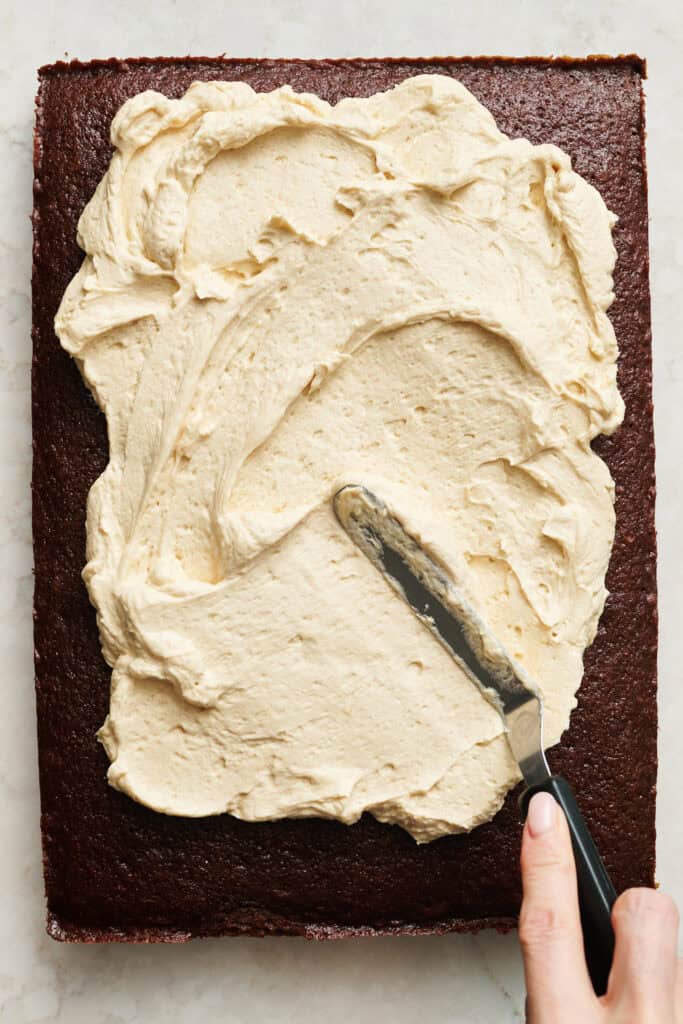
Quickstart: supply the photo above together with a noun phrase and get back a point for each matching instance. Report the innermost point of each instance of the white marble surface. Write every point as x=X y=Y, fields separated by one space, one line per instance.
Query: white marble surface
x=462 y=979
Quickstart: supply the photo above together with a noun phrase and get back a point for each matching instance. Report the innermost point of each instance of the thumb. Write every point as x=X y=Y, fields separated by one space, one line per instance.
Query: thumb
x=557 y=980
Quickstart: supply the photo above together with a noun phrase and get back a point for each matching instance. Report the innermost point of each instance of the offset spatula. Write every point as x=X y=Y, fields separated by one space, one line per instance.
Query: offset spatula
x=442 y=607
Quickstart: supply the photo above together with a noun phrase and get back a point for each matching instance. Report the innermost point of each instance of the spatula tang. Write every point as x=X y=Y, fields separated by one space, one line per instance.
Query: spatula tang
x=442 y=607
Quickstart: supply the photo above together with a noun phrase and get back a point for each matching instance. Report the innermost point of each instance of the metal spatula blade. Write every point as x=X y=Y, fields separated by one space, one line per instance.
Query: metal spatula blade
x=440 y=604
x=443 y=608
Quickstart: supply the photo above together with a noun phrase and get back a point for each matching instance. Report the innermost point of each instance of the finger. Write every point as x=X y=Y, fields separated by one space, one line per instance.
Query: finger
x=557 y=979
x=645 y=963
x=678 y=1016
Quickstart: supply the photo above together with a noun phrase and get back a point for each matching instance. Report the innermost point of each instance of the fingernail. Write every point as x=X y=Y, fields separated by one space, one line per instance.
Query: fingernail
x=542 y=812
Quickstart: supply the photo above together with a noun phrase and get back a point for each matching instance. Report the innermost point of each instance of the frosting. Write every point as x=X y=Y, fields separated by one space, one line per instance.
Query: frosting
x=280 y=297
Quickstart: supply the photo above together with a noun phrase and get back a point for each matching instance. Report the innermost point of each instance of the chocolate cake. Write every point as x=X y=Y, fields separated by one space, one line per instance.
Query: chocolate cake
x=117 y=871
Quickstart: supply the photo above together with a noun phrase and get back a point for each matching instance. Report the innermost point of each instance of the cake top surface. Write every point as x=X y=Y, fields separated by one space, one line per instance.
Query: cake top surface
x=115 y=869
x=279 y=297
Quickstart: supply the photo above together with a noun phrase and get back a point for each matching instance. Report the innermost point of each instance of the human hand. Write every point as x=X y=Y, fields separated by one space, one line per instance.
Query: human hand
x=646 y=981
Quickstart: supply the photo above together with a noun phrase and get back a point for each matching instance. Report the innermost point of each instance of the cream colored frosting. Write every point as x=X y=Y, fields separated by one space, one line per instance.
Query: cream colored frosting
x=280 y=297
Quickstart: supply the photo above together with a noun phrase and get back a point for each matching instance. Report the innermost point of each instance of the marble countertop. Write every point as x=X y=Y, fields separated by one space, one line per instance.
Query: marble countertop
x=470 y=980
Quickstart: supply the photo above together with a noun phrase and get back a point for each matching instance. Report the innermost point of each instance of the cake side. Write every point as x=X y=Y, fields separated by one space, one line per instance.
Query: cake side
x=122 y=872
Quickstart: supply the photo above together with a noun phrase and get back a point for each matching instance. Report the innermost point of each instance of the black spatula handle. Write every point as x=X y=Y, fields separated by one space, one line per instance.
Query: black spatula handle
x=596 y=892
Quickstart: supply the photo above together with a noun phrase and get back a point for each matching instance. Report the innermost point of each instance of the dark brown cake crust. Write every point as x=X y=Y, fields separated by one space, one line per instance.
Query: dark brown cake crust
x=115 y=870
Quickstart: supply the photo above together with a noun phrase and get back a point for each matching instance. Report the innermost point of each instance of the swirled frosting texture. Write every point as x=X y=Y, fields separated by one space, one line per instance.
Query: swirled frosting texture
x=279 y=297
